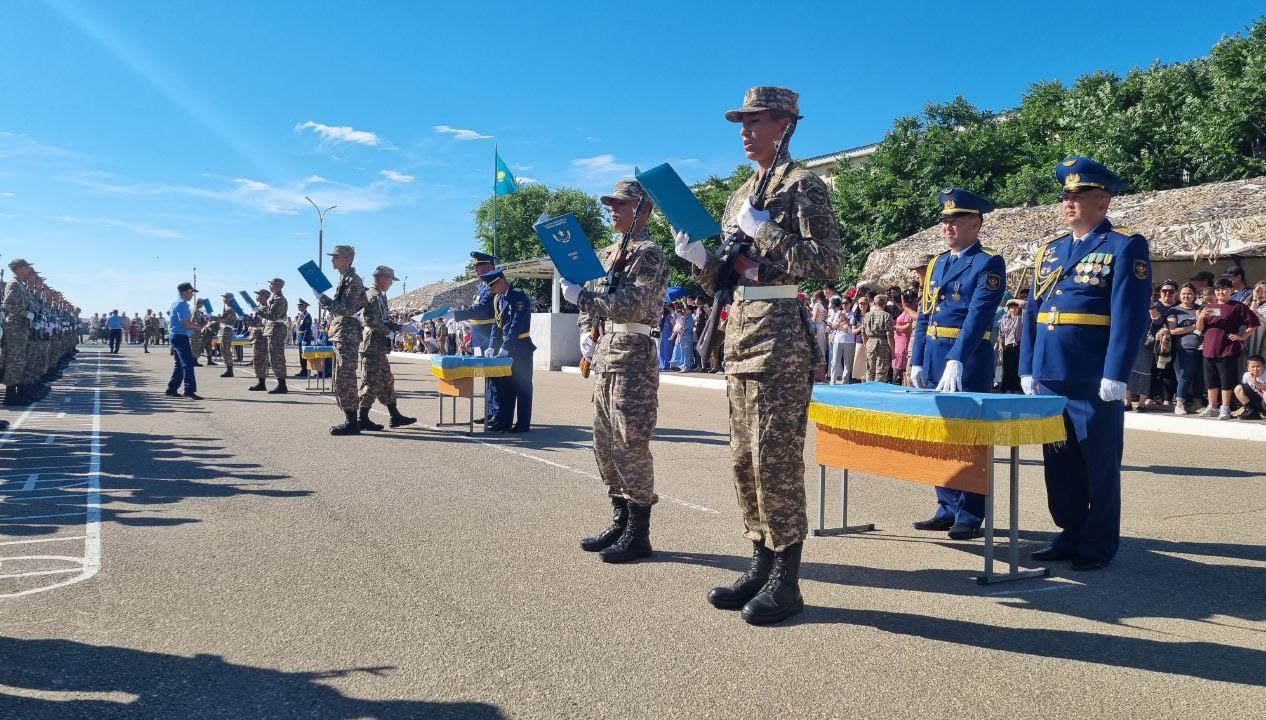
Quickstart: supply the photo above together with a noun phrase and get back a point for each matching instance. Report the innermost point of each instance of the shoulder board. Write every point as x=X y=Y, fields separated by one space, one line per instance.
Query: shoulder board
x=990 y=251
x=1124 y=230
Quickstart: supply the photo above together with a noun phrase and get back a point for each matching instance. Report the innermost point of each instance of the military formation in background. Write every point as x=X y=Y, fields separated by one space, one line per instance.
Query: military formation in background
x=40 y=331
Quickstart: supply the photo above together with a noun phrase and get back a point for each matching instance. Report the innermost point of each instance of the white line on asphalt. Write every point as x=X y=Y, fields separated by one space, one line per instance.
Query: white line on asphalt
x=1060 y=586
x=7 y=518
x=42 y=540
x=30 y=481
x=39 y=572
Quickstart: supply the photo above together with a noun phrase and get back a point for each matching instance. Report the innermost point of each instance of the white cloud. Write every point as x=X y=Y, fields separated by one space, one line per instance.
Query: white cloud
x=520 y=167
x=460 y=133
x=313 y=180
x=524 y=180
x=6 y=194
x=138 y=228
x=395 y=176
x=601 y=168
x=592 y=139
x=340 y=133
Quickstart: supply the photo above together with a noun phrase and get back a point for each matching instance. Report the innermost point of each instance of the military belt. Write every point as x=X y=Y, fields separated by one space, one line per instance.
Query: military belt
x=524 y=334
x=1055 y=317
x=479 y=322
x=765 y=292
x=940 y=331
x=638 y=328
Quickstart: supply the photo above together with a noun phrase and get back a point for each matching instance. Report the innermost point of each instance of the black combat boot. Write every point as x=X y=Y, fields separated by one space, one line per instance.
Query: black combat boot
x=397 y=418
x=636 y=541
x=733 y=597
x=258 y=386
x=280 y=389
x=365 y=423
x=348 y=427
x=210 y=362
x=780 y=598
x=227 y=373
x=606 y=538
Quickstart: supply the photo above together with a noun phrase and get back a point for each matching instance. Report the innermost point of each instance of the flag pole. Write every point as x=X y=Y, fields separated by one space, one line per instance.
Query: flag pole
x=494 y=202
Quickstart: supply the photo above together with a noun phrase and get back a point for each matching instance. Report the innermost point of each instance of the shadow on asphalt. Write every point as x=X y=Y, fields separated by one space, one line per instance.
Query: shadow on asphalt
x=1182 y=472
x=1146 y=580
x=141 y=685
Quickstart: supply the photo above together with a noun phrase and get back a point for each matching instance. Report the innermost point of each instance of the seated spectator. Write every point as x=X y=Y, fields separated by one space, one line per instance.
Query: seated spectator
x=1225 y=324
x=1251 y=387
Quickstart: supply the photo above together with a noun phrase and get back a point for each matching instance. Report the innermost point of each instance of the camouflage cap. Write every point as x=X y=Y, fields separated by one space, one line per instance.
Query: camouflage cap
x=342 y=250
x=227 y=295
x=384 y=271
x=277 y=281
x=766 y=97
x=16 y=263
x=625 y=190
x=263 y=291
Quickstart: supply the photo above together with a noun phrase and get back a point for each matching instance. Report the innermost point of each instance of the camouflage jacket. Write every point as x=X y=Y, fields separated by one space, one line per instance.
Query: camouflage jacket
x=349 y=299
x=17 y=305
x=800 y=241
x=377 y=336
x=151 y=323
x=228 y=318
x=639 y=298
x=274 y=314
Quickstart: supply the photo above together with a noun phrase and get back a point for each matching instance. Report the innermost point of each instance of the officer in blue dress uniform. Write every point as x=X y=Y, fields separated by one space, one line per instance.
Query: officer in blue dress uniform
x=512 y=338
x=1086 y=313
x=962 y=289
x=479 y=314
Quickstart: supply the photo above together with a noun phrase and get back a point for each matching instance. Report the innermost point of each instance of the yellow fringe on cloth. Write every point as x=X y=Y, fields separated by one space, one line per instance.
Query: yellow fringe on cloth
x=321 y=355
x=491 y=371
x=940 y=430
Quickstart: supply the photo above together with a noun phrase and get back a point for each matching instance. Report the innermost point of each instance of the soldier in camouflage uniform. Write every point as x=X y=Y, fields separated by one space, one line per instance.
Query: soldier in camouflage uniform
x=207 y=335
x=770 y=352
x=18 y=316
x=228 y=321
x=259 y=340
x=626 y=373
x=195 y=339
x=376 y=380
x=877 y=326
x=150 y=328
x=345 y=332
x=275 y=330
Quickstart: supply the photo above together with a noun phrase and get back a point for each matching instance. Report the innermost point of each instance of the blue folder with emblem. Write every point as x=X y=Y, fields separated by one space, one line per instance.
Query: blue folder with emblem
x=432 y=314
x=248 y=299
x=677 y=203
x=206 y=306
x=232 y=303
x=314 y=277
x=569 y=248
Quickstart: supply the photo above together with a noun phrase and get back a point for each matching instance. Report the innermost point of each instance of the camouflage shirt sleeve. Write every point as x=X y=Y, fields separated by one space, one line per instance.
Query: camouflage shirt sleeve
x=350 y=297
x=640 y=295
x=802 y=239
x=228 y=317
x=375 y=315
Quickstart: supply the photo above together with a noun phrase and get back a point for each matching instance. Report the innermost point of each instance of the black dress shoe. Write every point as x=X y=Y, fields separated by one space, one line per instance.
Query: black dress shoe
x=171 y=393
x=1050 y=552
x=1085 y=562
x=516 y=429
x=936 y=523
x=193 y=396
x=964 y=532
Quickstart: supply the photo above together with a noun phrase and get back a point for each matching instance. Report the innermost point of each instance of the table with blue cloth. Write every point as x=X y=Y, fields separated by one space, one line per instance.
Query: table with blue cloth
x=456 y=375
x=312 y=353
x=940 y=439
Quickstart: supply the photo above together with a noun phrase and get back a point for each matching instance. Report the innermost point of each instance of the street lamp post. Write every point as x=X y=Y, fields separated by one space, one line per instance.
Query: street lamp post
x=320 y=249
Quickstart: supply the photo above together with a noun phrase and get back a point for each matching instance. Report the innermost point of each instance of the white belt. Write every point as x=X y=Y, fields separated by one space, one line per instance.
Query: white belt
x=638 y=328
x=765 y=292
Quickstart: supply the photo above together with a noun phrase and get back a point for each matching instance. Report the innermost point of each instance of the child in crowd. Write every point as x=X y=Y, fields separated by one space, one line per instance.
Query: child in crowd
x=1251 y=388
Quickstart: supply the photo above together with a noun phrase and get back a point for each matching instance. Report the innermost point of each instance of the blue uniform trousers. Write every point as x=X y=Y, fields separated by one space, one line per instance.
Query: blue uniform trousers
x=515 y=392
x=966 y=508
x=1083 y=476
x=183 y=370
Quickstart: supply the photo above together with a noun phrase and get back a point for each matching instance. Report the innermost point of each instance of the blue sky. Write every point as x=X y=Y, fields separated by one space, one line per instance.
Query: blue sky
x=140 y=140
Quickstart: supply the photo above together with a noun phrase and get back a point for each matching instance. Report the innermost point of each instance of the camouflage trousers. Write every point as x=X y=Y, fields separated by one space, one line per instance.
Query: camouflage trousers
x=16 y=353
x=195 y=345
x=625 y=407
x=259 y=353
x=277 y=350
x=226 y=347
x=768 y=416
x=345 y=363
x=878 y=362
x=376 y=380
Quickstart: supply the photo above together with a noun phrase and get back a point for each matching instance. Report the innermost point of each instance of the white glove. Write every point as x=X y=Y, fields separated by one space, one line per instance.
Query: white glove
x=587 y=345
x=689 y=250
x=750 y=219
x=571 y=291
x=1110 y=390
x=952 y=378
x=1027 y=385
x=916 y=376
x=505 y=352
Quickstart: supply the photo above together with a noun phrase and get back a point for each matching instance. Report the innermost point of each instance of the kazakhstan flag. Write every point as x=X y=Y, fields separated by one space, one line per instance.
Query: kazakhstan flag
x=505 y=179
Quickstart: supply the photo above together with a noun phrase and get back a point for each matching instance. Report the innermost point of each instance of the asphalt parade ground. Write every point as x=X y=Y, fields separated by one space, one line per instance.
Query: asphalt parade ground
x=226 y=558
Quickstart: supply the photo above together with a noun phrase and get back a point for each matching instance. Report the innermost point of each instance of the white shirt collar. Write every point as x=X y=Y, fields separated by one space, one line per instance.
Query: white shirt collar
x=956 y=254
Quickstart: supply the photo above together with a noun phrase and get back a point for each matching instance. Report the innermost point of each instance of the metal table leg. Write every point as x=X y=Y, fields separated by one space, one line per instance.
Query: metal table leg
x=1015 y=572
x=844 y=528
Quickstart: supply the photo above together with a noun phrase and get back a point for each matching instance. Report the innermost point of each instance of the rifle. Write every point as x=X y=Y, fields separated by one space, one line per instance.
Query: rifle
x=614 y=275
x=735 y=244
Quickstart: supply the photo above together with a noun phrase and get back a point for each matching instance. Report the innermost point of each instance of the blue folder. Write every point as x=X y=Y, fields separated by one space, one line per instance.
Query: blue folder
x=569 y=248
x=248 y=299
x=206 y=305
x=232 y=303
x=315 y=278
x=433 y=314
x=679 y=205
